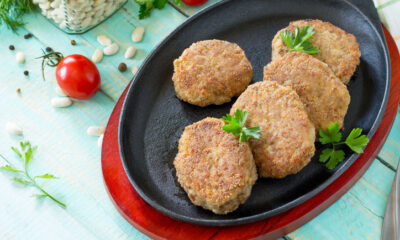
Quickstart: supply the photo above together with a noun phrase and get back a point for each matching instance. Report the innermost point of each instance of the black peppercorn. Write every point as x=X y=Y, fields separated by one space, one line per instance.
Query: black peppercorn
x=29 y=35
x=49 y=49
x=122 y=67
x=11 y=47
x=26 y=72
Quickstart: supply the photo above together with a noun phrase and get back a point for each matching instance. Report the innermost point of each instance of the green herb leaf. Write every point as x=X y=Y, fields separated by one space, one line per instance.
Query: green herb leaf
x=22 y=181
x=177 y=2
x=355 y=142
x=160 y=4
x=46 y=176
x=336 y=157
x=17 y=152
x=147 y=6
x=25 y=153
x=11 y=12
x=299 y=42
x=11 y=169
x=251 y=132
x=332 y=135
x=332 y=157
x=235 y=125
x=39 y=196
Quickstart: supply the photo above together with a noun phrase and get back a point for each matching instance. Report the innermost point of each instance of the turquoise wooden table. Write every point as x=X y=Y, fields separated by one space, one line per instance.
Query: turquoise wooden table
x=65 y=149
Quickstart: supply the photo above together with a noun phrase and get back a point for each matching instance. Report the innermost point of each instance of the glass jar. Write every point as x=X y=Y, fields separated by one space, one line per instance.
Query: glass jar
x=78 y=16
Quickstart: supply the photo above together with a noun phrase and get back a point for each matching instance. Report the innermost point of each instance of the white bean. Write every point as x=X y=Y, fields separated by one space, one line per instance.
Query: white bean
x=112 y=49
x=130 y=52
x=60 y=92
x=100 y=140
x=13 y=128
x=103 y=40
x=85 y=23
x=95 y=130
x=20 y=57
x=97 y=56
x=134 y=70
x=137 y=34
x=60 y=102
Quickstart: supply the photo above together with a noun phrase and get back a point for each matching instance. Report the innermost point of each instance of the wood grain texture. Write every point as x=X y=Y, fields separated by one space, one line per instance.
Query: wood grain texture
x=159 y=226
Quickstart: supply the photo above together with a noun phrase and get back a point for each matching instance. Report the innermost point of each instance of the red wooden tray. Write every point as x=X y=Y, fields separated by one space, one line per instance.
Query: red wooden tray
x=159 y=226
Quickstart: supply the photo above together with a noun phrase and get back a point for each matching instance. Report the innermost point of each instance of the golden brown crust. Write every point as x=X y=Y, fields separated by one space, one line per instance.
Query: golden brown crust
x=324 y=96
x=213 y=167
x=339 y=49
x=211 y=72
x=287 y=134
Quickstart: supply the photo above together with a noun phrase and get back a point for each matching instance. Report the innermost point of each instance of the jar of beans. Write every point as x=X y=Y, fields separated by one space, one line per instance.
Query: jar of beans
x=78 y=16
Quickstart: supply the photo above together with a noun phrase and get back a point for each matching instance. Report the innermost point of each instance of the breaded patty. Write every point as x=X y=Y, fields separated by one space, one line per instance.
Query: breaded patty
x=324 y=96
x=211 y=72
x=339 y=49
x=287 y=134
x=213 y=167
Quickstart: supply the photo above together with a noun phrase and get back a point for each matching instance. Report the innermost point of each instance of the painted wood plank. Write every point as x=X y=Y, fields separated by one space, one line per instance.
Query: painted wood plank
x=358 y=214
x=391 y=150
x=65 y=150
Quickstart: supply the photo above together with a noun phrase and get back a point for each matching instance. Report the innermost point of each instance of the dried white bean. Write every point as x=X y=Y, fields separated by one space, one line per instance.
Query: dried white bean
x=112 y=49
x=60 y=92
x=85 y=23
x=13 y=128
x=137 y=34
x=60 y=102
x=134 y=70
x=95 y=130
x=20 y=57
x=130 y=52
x=97 y=56
x=100 y=140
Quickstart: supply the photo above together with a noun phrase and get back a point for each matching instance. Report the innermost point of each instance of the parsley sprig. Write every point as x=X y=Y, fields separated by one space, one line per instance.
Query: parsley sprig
x=299 y=42
x=25 y=153
x=331 y=156
x=235 y=125
x=147 y=6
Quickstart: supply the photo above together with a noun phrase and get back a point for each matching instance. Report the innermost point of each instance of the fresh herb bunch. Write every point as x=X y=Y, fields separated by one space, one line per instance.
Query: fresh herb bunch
x=332 y=157
x=25 y=153
x=11 y=12
x=235 y=125
x=299 y=42
x=146 y=6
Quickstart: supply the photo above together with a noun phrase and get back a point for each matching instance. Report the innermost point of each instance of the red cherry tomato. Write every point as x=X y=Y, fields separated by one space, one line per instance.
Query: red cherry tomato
x=78 y=76
x=194 y=2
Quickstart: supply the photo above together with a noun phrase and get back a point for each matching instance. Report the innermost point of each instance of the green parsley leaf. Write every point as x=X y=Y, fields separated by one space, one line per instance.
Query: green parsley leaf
x=355 y=142
x=25 y=153
x=22 y=181
x=147 y=6
x=332 y=135
x=332 y=157
x=299 y=42
x=160 y=4
x=39 y=196
x=11 y=169
x=235 y=125
x=177 y=2
x=46 y=176
x=336 y=157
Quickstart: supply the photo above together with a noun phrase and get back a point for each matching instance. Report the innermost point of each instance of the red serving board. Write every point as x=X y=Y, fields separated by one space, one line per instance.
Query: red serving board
x=159 y=226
